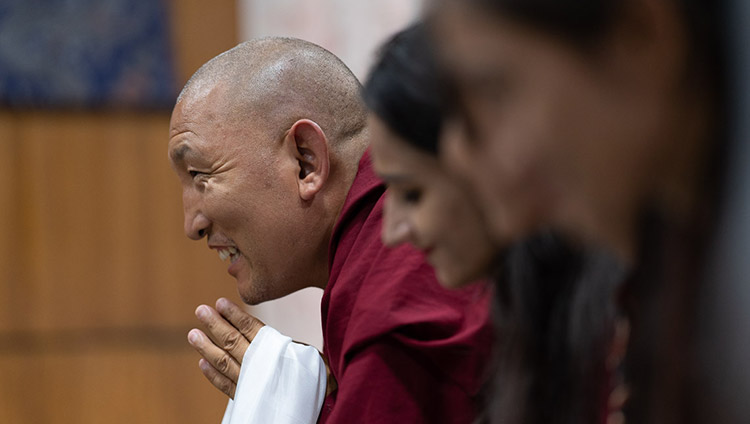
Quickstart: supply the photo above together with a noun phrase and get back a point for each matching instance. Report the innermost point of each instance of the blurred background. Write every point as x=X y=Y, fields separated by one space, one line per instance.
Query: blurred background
x=97 y=281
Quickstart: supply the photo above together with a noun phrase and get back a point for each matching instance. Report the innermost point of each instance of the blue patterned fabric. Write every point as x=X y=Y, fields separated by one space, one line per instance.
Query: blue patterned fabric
x=85 y=53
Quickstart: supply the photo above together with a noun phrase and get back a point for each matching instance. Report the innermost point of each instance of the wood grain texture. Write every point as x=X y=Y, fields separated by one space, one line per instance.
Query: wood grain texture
x=98 y=283
x=94 y=227
x=106 y=386
x=201 y=30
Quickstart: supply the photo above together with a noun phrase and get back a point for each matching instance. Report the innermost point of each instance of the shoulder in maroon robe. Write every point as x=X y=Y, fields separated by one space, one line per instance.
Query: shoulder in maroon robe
x=402 y=348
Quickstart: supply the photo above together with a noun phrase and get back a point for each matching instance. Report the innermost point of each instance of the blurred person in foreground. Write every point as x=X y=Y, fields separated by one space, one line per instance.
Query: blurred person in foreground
x=557 y=338
x=603 y=119
x=270 y=143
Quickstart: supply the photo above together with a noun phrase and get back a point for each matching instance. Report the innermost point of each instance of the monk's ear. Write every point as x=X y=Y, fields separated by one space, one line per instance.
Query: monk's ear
x=310 y=148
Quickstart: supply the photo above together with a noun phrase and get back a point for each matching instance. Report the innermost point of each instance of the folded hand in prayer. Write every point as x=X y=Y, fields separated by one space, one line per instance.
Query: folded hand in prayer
x=231 y=330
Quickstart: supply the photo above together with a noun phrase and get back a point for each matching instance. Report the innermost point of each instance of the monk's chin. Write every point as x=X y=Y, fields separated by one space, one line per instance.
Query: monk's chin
x=251 y=294
x=254 y=292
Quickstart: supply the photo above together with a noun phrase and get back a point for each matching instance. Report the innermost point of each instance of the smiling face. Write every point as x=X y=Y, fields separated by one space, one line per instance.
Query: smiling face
x=427 y=207
x=240 y=192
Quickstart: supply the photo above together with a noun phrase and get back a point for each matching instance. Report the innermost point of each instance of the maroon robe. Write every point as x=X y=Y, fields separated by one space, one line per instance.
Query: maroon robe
x=402 y=348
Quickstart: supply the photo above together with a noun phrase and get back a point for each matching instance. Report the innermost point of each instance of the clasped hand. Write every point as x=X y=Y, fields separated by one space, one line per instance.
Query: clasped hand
x=231 y=330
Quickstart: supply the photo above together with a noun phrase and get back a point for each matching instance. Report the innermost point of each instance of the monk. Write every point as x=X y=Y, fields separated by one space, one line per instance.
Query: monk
x=270 y=143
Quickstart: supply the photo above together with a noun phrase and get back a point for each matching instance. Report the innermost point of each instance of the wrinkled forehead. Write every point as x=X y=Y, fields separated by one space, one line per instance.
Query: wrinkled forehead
x=197 y=119
x=200 y=101
x=206 y=125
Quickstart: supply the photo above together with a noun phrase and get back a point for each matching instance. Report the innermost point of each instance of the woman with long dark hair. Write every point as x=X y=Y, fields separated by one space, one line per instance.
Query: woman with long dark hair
x=604 y=119
x=553 y=303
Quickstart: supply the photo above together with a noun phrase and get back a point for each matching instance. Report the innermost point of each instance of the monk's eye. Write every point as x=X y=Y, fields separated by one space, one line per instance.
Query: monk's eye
x=198 y=177
x=196 y=174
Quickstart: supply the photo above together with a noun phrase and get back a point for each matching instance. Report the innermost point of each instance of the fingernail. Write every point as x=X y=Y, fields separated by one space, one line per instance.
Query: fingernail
x=193 y=336
x=202 y=311
x=222 y=303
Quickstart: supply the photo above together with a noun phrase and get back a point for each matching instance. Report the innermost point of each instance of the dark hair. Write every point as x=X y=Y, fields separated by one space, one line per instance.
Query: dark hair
x=585 y=22
x=554 y=313
x=667 y=280
x=579 y=21
x=402 y=88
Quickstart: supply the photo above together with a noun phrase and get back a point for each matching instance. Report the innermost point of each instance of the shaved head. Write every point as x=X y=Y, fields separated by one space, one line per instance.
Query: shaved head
x=266 y=139
x=277 y=81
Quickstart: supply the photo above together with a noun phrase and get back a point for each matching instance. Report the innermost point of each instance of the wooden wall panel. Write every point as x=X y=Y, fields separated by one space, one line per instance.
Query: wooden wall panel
x=101 y=218
x=201 y=30
x=110 y=386
x=98 y=283
x=6 y=213
x=9 y=221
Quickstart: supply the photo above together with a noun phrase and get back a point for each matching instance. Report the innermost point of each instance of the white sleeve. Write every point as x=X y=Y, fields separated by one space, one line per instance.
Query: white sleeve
x=280 y=382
